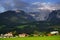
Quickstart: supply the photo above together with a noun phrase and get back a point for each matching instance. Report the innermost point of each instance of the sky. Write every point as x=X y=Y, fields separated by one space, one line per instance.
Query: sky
x=29 y=5
x=52 y=1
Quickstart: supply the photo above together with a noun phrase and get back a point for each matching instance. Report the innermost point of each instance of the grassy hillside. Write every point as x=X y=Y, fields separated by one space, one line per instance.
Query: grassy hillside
x=34 y=38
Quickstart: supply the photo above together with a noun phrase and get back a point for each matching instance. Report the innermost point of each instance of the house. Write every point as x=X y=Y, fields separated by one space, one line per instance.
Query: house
x=8 y=35
x=23 y=35
x=54 y=32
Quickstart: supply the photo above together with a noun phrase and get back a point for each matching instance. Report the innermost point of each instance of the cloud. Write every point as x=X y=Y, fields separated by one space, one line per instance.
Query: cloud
x=37 y=6
x=6 y=4
x=20 y=4
x=2 y=9
x=45 y=6
x=13 y=4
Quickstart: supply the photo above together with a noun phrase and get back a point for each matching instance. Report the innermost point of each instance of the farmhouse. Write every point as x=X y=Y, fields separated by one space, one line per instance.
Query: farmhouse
x=8 y=35
x=54 y=32
x=23 y=35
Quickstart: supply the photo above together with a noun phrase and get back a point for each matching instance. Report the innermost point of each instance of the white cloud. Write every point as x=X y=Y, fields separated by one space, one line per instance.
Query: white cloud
x=44 y=6
x=2 y=9
x=35 y=3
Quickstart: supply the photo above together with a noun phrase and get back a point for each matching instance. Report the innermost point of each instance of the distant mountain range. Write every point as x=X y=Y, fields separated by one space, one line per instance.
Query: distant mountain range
x=17 y=16
x=21 y=21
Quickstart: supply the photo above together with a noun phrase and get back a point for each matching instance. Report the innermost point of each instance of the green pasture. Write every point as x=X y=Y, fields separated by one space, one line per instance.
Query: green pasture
x=33 y=38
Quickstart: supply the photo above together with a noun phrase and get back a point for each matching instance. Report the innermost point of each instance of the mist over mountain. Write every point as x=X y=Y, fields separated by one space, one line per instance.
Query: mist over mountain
x=32 y=16
x=54 y=16
x=42 y=15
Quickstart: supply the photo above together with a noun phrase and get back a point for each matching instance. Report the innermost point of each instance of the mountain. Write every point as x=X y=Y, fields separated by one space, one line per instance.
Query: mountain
x=54 y=16
x=22 y=22
x=42 y=15
x=13 y=17
x=35 y=15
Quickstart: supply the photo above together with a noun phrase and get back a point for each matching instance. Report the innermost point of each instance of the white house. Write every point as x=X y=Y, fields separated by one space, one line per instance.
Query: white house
x=54 y=32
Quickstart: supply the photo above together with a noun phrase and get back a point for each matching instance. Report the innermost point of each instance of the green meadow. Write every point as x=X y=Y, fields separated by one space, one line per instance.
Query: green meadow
x=33 y=38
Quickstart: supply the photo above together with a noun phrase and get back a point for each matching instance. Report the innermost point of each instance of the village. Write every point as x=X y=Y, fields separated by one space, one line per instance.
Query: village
x=10 y=35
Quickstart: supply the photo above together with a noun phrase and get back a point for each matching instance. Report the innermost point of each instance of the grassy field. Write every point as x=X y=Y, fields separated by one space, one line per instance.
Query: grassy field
x=34 y=38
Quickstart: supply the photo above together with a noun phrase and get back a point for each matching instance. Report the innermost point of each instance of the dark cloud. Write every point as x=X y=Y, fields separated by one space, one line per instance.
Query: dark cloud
x=13 y=4
x=20 y=4
x=7 y=4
